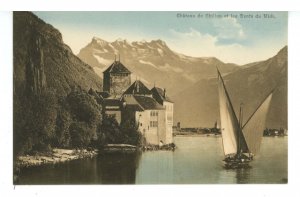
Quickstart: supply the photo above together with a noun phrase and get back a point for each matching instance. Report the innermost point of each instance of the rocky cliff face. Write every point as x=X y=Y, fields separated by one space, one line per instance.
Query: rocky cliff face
x=44 y=72
x=42 y=60
x=152 y=62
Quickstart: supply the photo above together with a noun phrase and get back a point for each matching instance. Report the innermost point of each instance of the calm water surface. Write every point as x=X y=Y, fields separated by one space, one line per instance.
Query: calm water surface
x=197 y=160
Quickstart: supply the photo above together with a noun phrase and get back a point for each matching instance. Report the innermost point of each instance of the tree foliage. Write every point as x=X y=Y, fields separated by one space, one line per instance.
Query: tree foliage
x=34 y=122
x=131 y=134
x=43 y=121
x=110 y=130
x=74 y=121
x=78 y=120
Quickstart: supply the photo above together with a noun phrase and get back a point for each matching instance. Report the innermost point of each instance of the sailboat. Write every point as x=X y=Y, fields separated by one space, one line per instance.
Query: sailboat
x=241 y=141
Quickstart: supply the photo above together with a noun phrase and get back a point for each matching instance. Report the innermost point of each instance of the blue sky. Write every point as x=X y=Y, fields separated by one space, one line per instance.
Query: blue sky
x=225 y=35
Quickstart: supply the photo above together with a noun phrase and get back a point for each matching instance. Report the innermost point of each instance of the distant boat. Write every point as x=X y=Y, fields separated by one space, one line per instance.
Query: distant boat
x=240 y=141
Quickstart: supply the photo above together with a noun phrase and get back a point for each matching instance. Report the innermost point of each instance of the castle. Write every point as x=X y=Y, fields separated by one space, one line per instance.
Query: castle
x=150 y=110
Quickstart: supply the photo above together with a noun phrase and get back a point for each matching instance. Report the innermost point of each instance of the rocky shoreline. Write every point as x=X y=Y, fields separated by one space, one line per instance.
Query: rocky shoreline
x=56 y=156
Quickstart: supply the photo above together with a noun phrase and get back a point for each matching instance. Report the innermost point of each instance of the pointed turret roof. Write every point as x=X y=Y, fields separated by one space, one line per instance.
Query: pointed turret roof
x=117 y=67
x=138 y=88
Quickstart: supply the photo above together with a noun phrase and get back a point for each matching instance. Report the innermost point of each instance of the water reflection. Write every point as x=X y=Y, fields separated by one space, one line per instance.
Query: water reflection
x=198 y=160
x=242 y=175
x=156 y=168
x=110 y=168
x=118 y=168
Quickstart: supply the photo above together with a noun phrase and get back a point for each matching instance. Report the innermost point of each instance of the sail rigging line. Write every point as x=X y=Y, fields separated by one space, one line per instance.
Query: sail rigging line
x=230 y=138
x=253 y=128
x=239 y=136
x=262 y=102
x=228 y=120
x=241 y=115
x=240 y=128
x=226 y=92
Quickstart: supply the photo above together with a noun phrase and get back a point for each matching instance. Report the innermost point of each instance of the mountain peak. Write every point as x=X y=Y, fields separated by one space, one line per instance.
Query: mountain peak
x=163 y=43
x=99 y=41
x=121 y=40
x=283 y=51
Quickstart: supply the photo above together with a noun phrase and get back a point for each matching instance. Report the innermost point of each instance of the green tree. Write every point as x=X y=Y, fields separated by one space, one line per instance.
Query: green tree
x=84 y=107
x=43 y=121
x=131 y=134
x=34 y=122
x=81 y=135
x=86 y=118
x=63 y=122
x=110 y=130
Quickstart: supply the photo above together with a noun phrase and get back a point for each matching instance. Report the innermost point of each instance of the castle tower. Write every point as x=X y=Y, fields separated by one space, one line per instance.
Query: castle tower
x=116 y=79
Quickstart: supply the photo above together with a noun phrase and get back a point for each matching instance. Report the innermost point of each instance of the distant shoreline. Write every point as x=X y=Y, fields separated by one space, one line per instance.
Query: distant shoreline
x=191 y=134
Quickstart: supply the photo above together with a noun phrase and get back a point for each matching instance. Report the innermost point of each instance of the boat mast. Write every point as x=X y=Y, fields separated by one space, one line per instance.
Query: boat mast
x=240 y=128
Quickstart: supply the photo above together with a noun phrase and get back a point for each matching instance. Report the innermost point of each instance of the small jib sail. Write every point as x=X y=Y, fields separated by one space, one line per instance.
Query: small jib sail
x=238 y=138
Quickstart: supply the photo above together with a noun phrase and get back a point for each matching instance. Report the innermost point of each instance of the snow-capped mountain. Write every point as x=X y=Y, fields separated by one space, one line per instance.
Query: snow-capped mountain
x=152 y=62
x=191 y=81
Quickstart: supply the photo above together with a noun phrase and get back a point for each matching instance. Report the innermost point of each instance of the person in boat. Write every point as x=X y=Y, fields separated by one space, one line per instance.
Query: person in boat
x=251 y=156
x=161 y=143
x=230 y=157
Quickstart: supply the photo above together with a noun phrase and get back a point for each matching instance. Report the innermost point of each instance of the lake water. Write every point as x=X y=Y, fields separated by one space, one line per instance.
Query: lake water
x=197 y=160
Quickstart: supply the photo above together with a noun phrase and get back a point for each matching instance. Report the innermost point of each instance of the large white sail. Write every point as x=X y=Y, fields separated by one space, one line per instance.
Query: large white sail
x=253 y=128
x=229 y=122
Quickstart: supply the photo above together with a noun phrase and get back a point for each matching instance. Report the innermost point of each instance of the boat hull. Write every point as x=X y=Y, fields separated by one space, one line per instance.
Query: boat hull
x=237 y=163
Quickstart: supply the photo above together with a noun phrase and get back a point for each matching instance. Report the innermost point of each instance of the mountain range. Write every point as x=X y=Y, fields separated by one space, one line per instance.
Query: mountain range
x=152 y=62
x=248 y=85
x=43 y=61
x=191 y=81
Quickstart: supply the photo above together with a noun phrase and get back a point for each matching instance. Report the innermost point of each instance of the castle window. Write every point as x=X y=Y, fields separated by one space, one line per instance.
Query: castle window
x=153 y=123
x=154 y=113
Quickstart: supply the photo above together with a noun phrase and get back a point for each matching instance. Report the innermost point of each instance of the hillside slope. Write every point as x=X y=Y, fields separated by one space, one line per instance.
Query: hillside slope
x=42 y=60
x=45 y=71
x=198 y=105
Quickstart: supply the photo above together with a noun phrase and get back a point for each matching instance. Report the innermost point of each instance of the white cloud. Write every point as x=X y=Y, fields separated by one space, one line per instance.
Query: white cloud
x=197 y=44
x=229 y=28
x=192 y=42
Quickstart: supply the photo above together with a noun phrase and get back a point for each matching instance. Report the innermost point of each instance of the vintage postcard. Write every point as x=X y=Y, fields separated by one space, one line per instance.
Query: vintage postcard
x=150 y=98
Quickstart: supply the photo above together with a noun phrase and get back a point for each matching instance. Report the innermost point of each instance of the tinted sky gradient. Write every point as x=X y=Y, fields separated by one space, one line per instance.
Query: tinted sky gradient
x=237 y=37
